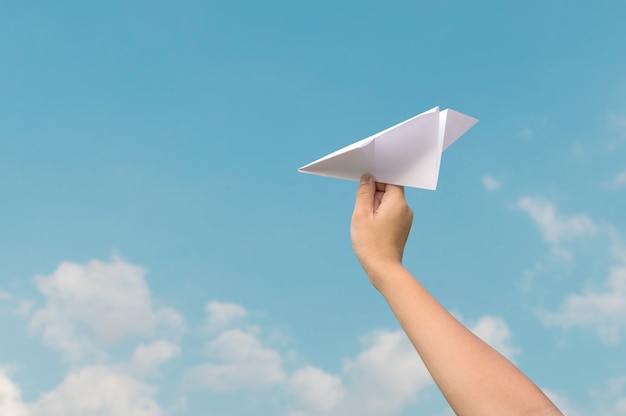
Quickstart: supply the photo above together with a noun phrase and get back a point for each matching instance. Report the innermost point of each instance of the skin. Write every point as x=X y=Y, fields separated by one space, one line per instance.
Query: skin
x=473 y=377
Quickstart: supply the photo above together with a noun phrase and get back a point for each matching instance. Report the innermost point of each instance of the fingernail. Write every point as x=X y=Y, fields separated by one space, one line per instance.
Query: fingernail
x=365 y=178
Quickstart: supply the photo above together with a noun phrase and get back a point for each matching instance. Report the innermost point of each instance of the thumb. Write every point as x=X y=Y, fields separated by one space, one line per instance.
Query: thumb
x=365 y=196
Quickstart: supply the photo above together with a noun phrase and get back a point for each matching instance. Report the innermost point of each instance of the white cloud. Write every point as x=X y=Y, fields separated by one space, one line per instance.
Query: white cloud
x=490 y=183
x=238 y=360
x=92 y=306
x=97 y=391
x=147 y=358
x=602 y=311
x=388 y=374
x=10 y=397
x=382 y=379
x=316 y=389
x=619 y=181
x=89 y=307
x=18 y=306
x=385 y=377
x=222 y=315
x=553 y=227
x=90 y=391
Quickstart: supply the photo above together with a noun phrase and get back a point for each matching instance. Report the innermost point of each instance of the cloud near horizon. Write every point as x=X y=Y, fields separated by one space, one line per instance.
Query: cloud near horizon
x=90 y=307
x=81 y=318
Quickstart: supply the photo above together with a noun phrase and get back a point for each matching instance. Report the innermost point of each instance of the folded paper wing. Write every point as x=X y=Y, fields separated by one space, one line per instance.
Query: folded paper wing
x=407 y=154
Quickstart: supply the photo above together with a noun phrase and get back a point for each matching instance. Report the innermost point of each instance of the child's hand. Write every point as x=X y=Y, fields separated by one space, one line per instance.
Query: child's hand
x=380 y=226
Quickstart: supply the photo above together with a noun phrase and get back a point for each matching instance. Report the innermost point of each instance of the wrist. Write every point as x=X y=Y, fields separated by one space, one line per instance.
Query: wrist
x=384 y=273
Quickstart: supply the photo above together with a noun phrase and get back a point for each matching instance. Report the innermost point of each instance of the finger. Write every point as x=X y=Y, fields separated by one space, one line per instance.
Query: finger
x=380 y=193
x=364 y=204
x=395 y=191
x=393 y=197
x=378 y=198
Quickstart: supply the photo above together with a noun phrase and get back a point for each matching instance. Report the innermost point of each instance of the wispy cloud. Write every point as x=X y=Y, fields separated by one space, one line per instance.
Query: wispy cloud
x=525 y=133
x=617 y=128
x=491 y=184
x=619 y=181
x=18 y=306
x=610 y=400
x=578 y=150
x=554 y=227
x=618 y=123
x=600 y=310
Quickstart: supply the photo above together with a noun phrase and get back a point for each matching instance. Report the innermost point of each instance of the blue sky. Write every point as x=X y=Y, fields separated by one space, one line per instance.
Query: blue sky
x=160 y=254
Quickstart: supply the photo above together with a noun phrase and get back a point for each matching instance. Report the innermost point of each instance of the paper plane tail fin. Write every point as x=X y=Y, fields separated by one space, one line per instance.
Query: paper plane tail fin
x=455 y=126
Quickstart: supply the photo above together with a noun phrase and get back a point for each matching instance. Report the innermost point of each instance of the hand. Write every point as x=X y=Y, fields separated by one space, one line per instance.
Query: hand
x=380 y=227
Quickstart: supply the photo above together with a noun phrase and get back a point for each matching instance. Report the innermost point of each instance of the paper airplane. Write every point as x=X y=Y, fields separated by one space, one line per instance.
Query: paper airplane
x=407 y=154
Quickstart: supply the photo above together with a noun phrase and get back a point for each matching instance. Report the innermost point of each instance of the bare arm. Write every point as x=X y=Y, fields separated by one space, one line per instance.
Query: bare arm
x=474 y=378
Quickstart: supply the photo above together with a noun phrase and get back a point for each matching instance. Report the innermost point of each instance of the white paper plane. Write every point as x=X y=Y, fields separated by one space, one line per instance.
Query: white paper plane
x=407 y=154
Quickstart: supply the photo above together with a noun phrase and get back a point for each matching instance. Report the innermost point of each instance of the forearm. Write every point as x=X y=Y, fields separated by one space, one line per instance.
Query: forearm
x=474 y=378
